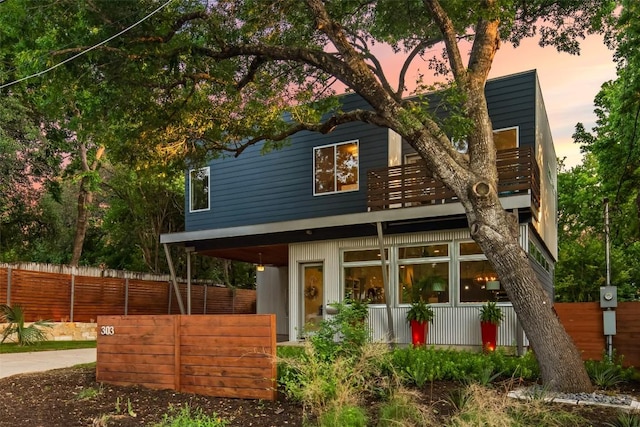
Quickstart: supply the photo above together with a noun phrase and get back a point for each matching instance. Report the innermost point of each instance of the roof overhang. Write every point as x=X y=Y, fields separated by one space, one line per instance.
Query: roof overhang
x=245 y=242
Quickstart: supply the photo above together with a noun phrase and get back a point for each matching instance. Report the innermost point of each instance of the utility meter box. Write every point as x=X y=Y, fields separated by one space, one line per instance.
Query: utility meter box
x=608 y=297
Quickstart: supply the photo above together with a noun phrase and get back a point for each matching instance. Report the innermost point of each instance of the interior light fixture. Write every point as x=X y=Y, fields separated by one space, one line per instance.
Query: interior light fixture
x=260 y=266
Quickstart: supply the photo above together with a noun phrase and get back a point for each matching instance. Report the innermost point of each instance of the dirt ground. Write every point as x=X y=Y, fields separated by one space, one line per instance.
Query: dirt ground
x=63 y=398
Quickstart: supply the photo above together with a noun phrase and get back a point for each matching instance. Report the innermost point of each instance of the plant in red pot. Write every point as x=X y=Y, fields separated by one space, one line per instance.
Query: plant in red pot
x=490 y=317
x=419 y=316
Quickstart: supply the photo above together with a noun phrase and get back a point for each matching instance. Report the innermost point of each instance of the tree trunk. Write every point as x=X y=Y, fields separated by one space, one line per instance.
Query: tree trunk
x=85 y=199
x=561 y=365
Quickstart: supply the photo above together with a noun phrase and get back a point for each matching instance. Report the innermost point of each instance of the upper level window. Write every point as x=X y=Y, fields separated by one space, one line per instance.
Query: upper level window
x=506 y=138
x=335 y=168
x=199 y=189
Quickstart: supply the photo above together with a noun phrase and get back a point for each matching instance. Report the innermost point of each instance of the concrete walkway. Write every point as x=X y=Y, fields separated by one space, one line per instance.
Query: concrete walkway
x=37 y=361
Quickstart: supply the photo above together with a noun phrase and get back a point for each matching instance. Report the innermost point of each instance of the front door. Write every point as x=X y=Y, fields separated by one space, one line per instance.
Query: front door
x=312 y=296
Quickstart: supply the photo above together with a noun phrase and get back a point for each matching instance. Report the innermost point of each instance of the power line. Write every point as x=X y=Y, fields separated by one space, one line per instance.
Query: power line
x=88 y=49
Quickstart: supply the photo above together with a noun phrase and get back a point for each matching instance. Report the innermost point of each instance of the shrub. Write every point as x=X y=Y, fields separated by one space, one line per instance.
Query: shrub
x=25 y=335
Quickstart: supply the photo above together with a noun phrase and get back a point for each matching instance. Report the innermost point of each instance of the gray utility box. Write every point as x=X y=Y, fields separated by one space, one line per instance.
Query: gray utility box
x=608 y=296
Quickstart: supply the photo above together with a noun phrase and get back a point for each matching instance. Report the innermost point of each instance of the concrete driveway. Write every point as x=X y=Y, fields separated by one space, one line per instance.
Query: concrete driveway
x=37 y=361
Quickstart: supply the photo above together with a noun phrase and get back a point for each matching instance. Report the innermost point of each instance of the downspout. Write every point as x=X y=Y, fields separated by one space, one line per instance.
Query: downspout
x=174 y=282
x=385 y=282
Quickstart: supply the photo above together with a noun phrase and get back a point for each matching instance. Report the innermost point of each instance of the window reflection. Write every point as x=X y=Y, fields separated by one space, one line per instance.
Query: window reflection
x=336 y=168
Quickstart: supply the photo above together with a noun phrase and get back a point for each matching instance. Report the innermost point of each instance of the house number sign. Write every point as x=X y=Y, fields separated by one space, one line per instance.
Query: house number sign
x=107 y=330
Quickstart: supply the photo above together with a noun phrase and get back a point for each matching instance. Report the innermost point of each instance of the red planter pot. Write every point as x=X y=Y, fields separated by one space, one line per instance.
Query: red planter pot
x=419 y=332
x=489 y=332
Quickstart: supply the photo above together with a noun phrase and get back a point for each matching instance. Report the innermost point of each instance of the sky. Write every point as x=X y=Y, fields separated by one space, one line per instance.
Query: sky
x=569 y=85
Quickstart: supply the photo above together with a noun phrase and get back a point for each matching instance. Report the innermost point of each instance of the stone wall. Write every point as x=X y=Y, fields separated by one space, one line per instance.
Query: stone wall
x=67 y=331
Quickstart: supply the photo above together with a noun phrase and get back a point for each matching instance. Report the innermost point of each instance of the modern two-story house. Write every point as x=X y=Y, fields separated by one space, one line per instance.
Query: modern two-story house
x=316 y=213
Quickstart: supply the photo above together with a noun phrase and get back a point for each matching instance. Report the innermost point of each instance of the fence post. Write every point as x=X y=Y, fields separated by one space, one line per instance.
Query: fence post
x=9 y=286
x=126 y=296
x=73 y=289
x=170 y=294
x=204 y=304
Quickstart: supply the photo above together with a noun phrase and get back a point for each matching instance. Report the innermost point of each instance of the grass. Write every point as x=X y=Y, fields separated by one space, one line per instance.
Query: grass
x=46 y=346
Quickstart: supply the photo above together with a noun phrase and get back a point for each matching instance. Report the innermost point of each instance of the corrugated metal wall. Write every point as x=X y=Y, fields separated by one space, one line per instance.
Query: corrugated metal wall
x=452 y=325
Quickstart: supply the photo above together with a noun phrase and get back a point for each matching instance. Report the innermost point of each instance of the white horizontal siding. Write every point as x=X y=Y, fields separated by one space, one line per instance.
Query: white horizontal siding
x=456 y=326
x=452 y=325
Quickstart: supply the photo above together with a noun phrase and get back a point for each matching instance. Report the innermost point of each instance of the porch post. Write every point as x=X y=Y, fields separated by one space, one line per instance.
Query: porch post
x=189 y=251
x=385 y=282
x=173 y=278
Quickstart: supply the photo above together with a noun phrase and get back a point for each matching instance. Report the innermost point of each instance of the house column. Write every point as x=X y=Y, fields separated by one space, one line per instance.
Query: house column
x=385 y=282
x=174 y=282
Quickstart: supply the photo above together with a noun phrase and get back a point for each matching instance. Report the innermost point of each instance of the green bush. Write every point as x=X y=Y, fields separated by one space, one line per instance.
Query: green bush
x=417 y=365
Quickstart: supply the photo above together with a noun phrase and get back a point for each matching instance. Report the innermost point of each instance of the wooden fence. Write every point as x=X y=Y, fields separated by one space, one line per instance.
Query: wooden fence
x=583 y=321
x=61 y=293
x=222 y=356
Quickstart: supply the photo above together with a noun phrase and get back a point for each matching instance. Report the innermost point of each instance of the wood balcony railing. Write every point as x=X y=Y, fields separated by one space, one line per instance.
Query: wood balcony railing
x=413 y=185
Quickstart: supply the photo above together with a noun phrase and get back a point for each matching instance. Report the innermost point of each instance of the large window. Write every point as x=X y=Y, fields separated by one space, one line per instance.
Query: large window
x=335 y=168
x=363 y=276
x=199 y=189
x=478 y=281
x=423 y=273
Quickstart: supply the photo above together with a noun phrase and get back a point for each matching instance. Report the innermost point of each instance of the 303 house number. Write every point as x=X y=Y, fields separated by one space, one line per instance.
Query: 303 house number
x=107 y=330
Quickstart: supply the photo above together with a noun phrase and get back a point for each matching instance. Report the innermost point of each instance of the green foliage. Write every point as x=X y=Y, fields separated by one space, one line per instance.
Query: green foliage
x=46 y=346
x=25 y=335
x=89 y=393
x=403 y=409
x=343 y=334
x=338 y=368
x=418 y=365
x=490 y=312
x=625 y=419
x=608 y=372
x=420 y=312
x=188 y=417
x=352 y=416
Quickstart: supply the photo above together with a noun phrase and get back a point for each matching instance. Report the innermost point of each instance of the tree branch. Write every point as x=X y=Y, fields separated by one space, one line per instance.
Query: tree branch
x=324 y=128
x=450 y=38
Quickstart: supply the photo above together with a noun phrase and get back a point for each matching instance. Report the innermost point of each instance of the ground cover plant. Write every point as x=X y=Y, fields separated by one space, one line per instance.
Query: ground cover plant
x=46 y=346
x=325 y=383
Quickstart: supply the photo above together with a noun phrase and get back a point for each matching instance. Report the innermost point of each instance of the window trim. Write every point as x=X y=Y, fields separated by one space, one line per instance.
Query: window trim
x=208 y=170
x=335 y=145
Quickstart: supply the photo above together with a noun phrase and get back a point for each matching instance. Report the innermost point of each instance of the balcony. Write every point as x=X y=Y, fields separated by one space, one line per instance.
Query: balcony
x=413 y=185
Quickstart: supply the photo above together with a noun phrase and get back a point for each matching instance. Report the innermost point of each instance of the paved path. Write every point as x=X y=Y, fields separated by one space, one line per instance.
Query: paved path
x=37 y=361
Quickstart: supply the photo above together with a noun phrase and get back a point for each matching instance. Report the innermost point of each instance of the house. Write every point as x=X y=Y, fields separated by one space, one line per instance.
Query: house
x=311 y=213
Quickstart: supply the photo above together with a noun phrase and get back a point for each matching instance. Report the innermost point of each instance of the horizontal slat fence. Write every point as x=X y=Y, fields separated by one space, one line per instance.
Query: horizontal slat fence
x=583 y=322
x=222 y=355
x=61 y=293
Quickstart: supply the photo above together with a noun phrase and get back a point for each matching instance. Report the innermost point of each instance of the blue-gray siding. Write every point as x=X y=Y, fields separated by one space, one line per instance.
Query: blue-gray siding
x=278 y=186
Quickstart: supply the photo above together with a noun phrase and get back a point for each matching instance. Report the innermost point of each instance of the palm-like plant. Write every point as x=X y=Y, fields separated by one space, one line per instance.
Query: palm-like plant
x=26 y=335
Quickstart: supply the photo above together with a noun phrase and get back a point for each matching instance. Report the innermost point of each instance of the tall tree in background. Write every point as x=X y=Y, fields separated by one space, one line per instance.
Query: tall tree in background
x=225 y=73
x=612 y=170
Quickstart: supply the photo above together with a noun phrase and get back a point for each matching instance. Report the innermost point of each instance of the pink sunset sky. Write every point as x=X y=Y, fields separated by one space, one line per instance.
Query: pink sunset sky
x=569 y=82
x=569 y=85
